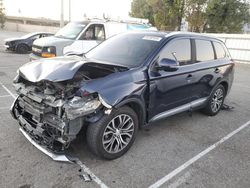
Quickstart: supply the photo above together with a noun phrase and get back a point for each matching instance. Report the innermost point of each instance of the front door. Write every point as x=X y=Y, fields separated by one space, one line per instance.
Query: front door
x=169 y=90
x=92 y=36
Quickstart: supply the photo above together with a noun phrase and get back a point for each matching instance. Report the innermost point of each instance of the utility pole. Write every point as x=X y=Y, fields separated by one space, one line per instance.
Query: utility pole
x=69 y=10
x=62 y=14
x=2 y=14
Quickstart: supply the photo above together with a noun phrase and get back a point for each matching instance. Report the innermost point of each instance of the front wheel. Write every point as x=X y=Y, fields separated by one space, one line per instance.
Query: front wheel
x=215 y=101
x=113 y=134
x=22 y=49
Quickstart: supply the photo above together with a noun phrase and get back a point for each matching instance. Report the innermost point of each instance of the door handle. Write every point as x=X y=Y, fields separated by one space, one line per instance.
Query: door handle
x=217 y=70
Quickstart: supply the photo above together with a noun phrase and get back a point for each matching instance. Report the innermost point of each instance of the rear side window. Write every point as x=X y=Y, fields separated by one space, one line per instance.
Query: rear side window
x=181 y=49
x=220 y=51
x=204 y=50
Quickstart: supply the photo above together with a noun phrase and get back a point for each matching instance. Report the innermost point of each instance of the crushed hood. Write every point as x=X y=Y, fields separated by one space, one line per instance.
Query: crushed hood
x=59 y=68
x=51 y=69
x=112 y=85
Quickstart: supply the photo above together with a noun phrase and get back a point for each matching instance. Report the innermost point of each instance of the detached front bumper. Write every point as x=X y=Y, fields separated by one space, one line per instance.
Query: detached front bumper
x=55 y=157
x=52 y=145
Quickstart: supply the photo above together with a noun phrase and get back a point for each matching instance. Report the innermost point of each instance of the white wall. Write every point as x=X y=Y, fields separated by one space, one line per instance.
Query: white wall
x=29 y=28
x=237 y=44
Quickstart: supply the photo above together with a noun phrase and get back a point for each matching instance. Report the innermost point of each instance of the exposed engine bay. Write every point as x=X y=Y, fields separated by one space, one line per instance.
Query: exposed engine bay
x=53 y=113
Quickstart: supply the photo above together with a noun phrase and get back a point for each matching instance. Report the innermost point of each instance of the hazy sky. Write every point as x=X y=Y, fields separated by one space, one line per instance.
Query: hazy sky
x=51 y=8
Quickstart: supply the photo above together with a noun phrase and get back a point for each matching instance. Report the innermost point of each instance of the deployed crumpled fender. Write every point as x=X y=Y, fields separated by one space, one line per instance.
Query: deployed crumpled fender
x=118 y=87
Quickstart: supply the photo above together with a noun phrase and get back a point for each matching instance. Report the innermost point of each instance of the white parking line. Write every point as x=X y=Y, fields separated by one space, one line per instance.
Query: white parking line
x=3 y=96
x=84 y=167
x=6 y=89
x=195 y=158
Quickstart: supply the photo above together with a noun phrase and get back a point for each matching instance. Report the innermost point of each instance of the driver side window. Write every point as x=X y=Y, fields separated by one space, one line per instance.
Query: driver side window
x=94 y=32
x=35 y=37
x=179 y=49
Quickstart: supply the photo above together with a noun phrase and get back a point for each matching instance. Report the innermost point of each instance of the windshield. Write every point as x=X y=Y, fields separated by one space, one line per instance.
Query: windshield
x=129 y=50
x=70 y=31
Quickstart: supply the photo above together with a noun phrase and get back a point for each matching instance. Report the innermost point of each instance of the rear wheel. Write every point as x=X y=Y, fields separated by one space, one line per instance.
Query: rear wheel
x=215 y=101
x=113 y=134
x=22 y=49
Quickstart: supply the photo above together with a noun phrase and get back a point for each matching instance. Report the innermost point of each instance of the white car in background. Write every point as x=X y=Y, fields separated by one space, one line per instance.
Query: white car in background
x=80 y=37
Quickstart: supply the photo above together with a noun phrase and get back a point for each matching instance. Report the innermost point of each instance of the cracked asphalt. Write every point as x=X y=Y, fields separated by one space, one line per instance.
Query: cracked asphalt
x=156 y=152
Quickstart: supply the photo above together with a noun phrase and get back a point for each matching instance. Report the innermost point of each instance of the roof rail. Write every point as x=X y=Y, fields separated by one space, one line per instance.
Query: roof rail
x=130 y=20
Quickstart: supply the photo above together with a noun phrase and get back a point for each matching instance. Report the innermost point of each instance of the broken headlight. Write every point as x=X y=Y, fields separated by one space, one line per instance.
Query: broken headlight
x=79 y=106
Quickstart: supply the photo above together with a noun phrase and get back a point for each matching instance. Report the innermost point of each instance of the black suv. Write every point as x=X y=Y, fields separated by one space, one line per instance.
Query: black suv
x=125 y=83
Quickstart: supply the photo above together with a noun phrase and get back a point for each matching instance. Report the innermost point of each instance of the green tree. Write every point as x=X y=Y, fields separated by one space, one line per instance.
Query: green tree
x=168 y=14
x=164 y=14
x=141 y=9
x=2 y=14
x=226 y=16
x=196 y=14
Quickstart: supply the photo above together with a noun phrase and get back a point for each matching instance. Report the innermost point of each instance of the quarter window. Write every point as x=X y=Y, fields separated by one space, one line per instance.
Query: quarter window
x=204 y=50
x=181 y=49
x=220 y=51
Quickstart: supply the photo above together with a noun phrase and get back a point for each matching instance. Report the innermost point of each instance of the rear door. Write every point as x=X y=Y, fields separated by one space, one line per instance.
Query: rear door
x=210 y=66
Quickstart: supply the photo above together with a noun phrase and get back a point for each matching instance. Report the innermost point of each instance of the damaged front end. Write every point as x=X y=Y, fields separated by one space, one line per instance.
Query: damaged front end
x=52 y=122
x=53 y=113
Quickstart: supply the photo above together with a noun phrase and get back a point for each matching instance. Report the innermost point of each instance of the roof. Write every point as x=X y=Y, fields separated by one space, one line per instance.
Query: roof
x=192 y=34
x=96 y=20
x=177 y=34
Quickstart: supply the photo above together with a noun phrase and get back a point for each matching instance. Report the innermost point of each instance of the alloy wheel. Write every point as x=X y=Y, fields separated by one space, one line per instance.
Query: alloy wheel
x=118 y=133
x=217 y=100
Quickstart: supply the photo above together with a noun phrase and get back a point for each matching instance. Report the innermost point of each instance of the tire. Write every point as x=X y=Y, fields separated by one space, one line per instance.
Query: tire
x=215 y=101
x=116 y=141
x=22 y=49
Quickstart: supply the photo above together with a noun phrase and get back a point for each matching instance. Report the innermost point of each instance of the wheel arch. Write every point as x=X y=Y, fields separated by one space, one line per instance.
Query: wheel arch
x=22 y=44
x=225 y=85
x=138 y=106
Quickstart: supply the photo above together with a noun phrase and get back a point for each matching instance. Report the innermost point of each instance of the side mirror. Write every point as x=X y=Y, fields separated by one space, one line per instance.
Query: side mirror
x=168 y=65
